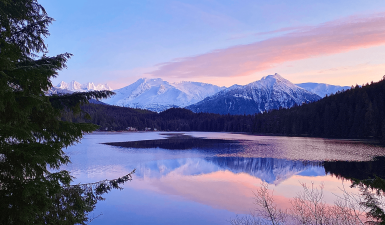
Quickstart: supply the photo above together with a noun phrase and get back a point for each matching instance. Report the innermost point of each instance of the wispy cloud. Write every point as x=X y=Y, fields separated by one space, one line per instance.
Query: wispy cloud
x=329 y=38
x=281 y=30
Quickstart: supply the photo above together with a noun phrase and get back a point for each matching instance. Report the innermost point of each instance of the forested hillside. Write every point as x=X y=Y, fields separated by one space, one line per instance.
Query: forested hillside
x=174 y=119
x=356 y=113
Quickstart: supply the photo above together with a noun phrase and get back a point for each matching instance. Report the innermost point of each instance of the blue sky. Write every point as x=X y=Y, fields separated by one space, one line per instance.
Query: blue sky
x=118 y=41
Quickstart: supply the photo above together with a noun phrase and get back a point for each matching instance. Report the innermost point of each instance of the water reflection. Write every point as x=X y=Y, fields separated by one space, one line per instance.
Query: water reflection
x=180 y=141
x=239 y=145
x=269 y=170
x=209 y=180
x=357 y=170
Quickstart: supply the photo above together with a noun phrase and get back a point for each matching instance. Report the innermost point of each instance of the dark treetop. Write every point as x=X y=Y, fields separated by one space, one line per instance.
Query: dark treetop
x=32 y=135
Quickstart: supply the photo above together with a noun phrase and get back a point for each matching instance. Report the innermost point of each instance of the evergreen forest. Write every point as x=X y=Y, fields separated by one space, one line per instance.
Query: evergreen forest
x=175 y=119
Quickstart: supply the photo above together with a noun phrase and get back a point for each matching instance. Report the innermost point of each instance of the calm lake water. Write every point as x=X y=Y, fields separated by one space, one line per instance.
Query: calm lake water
x=209 y=178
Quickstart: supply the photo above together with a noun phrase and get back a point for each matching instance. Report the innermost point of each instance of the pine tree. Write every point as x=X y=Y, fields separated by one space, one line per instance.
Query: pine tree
x=32 y=134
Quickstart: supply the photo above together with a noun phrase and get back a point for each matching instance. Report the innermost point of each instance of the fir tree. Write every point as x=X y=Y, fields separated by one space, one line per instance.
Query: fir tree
x=32 y=135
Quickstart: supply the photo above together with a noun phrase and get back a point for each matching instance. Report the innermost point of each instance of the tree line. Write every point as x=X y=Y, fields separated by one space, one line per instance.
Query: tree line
x=175 y=119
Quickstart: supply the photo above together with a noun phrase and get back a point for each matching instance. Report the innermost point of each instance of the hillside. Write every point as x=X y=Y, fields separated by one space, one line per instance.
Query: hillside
x=175 y=119
x=355 y=113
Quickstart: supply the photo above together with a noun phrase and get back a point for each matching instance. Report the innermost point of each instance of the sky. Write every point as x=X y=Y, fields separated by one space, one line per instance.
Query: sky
x=222 y=42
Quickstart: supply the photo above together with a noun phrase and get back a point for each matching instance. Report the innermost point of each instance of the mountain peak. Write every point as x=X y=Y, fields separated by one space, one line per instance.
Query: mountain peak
x=271 y=92
x=146 y=79
x=157 y=94
x=274 y=76
x=273 y=81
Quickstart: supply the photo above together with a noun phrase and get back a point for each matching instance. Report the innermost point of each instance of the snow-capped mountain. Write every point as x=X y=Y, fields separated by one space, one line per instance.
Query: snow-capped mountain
x=322 y=89
x=159 y=95
x=271 y=92
x=75 y=86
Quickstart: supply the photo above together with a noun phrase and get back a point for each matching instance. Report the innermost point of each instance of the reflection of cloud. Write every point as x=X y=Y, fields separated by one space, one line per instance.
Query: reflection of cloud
x=328 y=38
x=221 y=189
x=230 y=191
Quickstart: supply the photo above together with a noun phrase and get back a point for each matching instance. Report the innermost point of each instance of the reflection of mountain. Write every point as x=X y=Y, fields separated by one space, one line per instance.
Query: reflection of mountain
x=187 y=167
x=267 y=169
x=357 y=170
x=270 y=170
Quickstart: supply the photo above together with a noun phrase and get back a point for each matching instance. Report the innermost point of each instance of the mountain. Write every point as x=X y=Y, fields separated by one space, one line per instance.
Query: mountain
x=322 y=89
x=355 y=113
x=75 y=86
x=159 y=95
x=271 y=92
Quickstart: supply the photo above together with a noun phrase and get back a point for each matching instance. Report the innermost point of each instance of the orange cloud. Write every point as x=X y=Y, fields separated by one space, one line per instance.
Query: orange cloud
x=329 y=38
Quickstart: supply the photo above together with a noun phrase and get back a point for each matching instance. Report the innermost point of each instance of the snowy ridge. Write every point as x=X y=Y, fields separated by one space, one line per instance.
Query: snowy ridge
x=323 y=89
x=271 y=92
x=75 y=86
x=159 y=95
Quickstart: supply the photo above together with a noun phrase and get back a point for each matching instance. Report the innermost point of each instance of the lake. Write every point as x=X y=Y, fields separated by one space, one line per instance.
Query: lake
x=208 y=177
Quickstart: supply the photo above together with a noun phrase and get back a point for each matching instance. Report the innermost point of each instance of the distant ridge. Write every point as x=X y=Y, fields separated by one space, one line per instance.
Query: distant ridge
x=75 y=86
x=322 y=89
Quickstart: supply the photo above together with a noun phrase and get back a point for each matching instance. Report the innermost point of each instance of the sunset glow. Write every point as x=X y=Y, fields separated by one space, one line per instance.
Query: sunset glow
x=220 y=42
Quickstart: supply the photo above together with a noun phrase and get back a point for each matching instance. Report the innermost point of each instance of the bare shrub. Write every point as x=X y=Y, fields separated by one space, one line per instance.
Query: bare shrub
x=266 y=208
x=248 y=220
x=309 y=208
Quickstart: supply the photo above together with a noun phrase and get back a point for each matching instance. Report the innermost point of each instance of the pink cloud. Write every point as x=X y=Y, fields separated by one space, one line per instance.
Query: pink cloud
x=285 y=29
x=329 y=38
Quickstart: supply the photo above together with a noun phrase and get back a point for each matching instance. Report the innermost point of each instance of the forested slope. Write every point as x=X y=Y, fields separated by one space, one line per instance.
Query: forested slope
x=174 y=119
x=355 y=113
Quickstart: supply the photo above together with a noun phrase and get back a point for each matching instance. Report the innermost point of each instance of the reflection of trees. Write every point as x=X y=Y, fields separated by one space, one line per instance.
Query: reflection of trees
x=357 y=170
x=368 y=177
x=180 y=142
x=48 y=198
